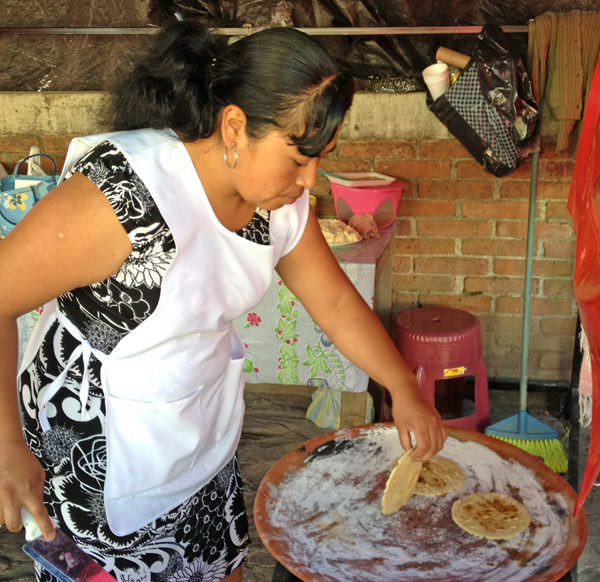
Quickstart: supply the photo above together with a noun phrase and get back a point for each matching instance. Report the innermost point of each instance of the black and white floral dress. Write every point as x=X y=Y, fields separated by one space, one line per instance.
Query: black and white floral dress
x=206 y=537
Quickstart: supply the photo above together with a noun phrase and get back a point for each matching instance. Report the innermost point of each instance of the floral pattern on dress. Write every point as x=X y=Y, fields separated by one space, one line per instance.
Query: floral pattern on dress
x=206 y=537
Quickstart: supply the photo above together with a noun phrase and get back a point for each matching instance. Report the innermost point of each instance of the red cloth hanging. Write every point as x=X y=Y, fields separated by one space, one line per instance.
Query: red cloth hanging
x=584 y=207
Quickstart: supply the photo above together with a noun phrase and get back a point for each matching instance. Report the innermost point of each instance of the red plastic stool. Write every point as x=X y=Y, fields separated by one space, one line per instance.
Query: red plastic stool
x=442 y=346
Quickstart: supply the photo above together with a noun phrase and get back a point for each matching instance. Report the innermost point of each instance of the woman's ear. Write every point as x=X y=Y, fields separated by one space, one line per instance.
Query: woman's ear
x=233 y=124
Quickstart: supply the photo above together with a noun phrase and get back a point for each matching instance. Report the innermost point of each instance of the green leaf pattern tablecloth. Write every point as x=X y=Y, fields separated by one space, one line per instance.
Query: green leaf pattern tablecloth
x=285 y=346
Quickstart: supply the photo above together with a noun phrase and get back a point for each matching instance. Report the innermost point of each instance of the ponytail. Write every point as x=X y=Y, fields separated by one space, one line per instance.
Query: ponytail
x=280 y=77
x=170 y=88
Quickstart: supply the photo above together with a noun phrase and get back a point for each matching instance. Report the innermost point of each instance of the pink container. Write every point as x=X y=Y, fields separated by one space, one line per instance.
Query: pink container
x=380 y=201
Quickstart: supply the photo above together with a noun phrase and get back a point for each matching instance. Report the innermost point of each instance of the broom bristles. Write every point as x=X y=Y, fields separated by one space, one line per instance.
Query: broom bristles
x=550 y=450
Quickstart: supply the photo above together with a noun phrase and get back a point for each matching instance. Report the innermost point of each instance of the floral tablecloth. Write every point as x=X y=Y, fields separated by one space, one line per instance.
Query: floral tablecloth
x=285 y=346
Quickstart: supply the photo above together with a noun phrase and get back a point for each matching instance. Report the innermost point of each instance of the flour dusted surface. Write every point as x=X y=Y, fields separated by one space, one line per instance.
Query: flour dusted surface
x=328 y=514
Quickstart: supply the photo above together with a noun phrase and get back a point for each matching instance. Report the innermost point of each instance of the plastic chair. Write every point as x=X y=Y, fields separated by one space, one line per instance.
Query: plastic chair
x=442 y=346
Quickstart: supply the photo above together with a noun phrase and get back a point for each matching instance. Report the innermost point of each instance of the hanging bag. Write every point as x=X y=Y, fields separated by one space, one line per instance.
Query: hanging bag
x=490 y=107
x=18 y=192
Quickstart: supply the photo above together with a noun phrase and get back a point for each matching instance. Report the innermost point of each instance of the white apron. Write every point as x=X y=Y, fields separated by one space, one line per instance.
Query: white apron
x=174 y=385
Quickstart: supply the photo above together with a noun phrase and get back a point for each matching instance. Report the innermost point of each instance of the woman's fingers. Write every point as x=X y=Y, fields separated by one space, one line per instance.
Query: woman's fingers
x=426 y=426
x=22 y=485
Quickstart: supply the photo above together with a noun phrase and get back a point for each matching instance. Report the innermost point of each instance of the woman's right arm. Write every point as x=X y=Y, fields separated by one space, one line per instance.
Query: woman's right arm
x=69 y=239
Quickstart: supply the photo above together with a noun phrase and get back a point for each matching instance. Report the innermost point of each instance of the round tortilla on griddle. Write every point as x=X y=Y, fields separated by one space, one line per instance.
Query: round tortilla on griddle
x=491 y=515
x=400 y=484
x=438 y=476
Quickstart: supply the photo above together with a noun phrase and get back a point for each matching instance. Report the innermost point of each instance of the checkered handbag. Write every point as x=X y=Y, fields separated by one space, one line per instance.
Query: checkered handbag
x=490 y=107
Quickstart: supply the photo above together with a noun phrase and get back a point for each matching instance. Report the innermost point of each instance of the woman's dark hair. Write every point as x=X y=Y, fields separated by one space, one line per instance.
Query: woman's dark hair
x=280 y=77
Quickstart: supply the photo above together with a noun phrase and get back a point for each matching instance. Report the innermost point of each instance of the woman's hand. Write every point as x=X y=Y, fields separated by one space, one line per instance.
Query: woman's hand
x=412 y=413
x=22 y=485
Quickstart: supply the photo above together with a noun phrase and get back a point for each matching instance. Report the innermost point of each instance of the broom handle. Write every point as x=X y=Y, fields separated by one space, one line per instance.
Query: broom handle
x=527 y=291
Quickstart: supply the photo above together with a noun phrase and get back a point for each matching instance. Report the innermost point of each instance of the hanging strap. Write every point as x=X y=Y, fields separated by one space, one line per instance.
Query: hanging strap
x=84 y=350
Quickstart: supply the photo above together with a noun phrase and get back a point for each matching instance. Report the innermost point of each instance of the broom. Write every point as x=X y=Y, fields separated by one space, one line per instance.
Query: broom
x=523 y=430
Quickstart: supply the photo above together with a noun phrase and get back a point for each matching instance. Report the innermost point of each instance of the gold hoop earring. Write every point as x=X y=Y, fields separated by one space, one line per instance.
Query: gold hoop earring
x=235 y=156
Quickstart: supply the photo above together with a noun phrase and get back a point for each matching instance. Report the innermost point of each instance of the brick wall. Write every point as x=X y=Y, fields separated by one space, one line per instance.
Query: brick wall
x=460 y=240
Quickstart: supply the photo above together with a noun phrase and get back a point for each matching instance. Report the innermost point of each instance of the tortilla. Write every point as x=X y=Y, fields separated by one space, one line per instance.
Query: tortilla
x=439 y=476
x=401 y=483
x=490 y=515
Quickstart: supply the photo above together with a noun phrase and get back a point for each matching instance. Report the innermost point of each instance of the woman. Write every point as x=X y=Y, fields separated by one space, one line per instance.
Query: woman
x=130 y=392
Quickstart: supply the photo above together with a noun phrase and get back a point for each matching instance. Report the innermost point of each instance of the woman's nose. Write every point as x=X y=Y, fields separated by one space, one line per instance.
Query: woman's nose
x=307 y=174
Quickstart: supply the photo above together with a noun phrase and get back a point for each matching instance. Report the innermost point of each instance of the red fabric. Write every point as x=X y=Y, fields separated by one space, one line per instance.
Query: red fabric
x=584 y=207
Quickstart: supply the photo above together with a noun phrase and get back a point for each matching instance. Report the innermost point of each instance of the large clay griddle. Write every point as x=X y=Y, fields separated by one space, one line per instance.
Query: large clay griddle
x=275 y=537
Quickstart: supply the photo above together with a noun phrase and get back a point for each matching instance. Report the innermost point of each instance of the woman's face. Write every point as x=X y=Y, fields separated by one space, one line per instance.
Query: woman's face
x=271 y=172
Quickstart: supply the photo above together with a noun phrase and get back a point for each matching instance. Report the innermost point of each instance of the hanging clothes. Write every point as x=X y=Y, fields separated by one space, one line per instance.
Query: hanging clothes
x=561 y=56
x=583 y=206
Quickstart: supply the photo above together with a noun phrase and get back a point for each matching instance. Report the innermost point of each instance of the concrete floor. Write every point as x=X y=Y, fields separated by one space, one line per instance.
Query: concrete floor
x=275 y=425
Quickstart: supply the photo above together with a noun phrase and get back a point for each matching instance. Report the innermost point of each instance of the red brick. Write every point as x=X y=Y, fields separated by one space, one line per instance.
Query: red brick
x=494 y=248
x=420 y=246
x=511 y=229
x=451 y=265
x=562 y=231
x=504 y=362
x=558 y=288
x=559 y=326
x=376 y=150
x=338 y=167
x=471 y=169
x=549 y=150
x=497 y=285
x=509 y=266
x=431 y=284
x=552 y=343
x=409 y=191
x=546 y=306
x=513 y=305
x=552 y=268
x=502 y=210
x=401 y=264
x=501 y=323
x=404 y=227
x=557 y=210
x=456 y=189
x=60 y=161
x=448 y=148
x=507 y=340
x=415 y=169
x=438 y=209
x=55 y=144
x=556 y=169
x=553 y=190
x=553 y=363
x=559 y=250
x=514 y=189
x=454 y=228
x=16 y=144
x=472 y=303
x=5 y=160
x=523 y=172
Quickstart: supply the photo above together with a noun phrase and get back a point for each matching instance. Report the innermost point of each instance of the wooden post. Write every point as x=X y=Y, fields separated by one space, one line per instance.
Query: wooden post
x=353 y=408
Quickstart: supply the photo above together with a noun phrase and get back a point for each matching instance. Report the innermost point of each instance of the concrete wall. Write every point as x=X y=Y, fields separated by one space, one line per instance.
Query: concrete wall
x=460 y=234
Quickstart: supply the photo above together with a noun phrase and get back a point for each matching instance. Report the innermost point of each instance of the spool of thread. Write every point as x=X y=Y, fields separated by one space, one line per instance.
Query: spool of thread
x=452 y=58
